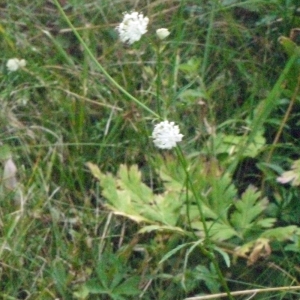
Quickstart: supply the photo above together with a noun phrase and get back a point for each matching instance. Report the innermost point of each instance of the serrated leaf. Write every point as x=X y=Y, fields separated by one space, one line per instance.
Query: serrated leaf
x=166 y=208
x=248 y=208
x=231 y=144
x=172 y=175
x=266 y=222
x=130 y=180
x=221 y=197
x=128 y=196
x=191 y=67
x=217 y=231
x=280 y=233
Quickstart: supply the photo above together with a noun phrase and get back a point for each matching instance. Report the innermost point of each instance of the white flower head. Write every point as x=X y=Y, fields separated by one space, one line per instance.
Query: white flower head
x=133 y=26
x=166 y=134
x=162 y=33
x=13 y=64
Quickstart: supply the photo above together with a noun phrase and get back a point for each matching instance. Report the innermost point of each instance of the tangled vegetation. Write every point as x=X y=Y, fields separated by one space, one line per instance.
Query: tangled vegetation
x=157 y=163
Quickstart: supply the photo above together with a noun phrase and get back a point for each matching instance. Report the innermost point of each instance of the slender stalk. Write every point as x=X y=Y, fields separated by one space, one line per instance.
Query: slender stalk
x=285 y=118
x=158 y=78
x=245 y=292
x=208 y=39
x=208 y=253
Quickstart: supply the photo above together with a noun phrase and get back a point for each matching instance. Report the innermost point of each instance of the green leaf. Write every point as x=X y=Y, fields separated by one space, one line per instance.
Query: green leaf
x=94 y=287
x=128 y=196
x=172 y=252
x=130 y=180
x=59 y=275
x=191 y=67
x=248 y=208
x=82 y=293
x=292 y=49
x=217 y=231
x=5 y=153
x=280 y=233
x=230 y=144
x=210 y=278
x=129 y=287
x=221 y=197
x=224 y=255
x=266 y=222
x=289 y=46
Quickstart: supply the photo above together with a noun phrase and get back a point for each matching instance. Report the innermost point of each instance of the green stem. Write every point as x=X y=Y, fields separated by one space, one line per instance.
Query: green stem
x=100 y=67
x=284 y=121
x=158 y=79
x=208 y=253
x=207 y=40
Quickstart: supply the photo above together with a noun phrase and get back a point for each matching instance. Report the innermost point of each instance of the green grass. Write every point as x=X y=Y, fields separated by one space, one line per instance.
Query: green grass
x=84 y=97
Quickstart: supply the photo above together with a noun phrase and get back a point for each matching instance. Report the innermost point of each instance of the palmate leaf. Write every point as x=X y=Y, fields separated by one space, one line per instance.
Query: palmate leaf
x=217 y=231
x=128 y=196
x=248 y=208
x=230 y=144
x=165 y=208
x=172 y=174
x=174 y=178
x=221 y=196
x=130 y=181
x=215 y=205
x=225 y=216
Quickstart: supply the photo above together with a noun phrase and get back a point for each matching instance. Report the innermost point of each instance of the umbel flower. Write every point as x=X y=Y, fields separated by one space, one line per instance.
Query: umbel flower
x=133 y=26
x=13 y=64
x=166 y=134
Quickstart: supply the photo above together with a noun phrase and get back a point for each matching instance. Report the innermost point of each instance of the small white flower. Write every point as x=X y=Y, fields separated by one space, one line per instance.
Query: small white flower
x=166 y=134
x=13 y=64
x=133 y=26
x=162 y=33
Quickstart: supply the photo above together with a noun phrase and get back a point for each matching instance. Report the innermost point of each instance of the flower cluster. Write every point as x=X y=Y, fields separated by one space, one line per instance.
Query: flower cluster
x=133 y=26
x=166 y=134
x=13 y=64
